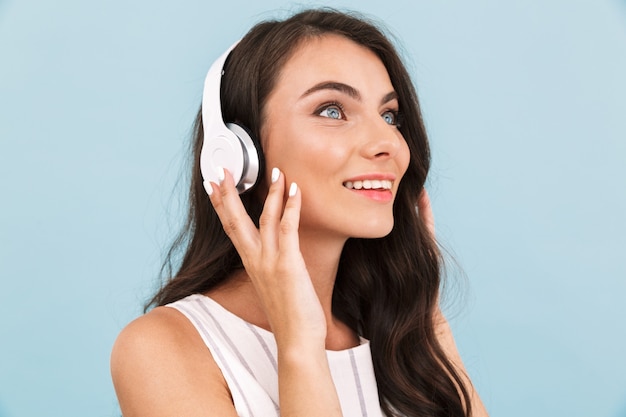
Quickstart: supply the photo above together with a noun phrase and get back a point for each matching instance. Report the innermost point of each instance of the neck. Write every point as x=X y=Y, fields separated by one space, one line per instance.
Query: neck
x=321 y=257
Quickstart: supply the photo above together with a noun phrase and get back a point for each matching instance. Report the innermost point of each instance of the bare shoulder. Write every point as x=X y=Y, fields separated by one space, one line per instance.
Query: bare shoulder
x=161 y=367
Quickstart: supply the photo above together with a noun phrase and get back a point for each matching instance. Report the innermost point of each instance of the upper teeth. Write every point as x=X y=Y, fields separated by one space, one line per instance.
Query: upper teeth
x=368 y=184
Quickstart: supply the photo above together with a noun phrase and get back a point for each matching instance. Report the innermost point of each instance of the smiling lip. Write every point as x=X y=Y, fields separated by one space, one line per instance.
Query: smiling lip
x=376 y=187
x=383 y=196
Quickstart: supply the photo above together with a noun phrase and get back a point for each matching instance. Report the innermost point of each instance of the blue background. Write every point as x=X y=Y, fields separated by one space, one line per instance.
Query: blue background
x=525 y=105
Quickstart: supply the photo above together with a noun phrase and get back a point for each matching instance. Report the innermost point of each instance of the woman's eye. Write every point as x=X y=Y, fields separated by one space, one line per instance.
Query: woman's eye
x=390 y=117
x=332 y=112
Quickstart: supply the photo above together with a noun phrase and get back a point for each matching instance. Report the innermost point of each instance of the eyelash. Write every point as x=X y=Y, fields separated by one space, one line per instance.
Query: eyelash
x=397 y=115
x=326 y=106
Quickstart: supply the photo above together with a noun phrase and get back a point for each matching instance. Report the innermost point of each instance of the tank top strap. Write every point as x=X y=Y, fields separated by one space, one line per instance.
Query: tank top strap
x=245 y=355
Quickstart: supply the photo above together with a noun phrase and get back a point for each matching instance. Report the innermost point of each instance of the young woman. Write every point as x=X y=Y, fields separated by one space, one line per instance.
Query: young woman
x=316 y=292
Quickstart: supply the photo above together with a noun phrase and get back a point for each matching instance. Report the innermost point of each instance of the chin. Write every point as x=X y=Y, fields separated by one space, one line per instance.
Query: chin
x=376 y=232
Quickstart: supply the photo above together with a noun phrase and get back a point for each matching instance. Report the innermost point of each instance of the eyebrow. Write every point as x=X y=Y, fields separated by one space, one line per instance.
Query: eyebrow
x=345 y=89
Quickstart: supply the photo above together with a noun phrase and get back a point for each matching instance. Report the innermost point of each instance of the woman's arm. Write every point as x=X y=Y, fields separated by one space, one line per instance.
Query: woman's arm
x=160 y=365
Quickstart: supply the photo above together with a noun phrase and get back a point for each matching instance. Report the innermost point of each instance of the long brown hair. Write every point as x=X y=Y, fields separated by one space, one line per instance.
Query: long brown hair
x=387 y=288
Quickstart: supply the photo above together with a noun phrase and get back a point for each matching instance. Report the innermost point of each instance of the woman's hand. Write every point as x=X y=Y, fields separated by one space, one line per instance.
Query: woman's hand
x=273 y=261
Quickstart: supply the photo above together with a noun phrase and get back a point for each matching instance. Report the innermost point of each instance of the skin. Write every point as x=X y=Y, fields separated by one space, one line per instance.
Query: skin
x=159 y=364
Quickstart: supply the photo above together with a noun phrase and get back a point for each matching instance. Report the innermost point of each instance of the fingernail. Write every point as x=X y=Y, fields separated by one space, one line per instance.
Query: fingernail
x=275 y=174
x=220 y=174
x=208 y=188
x=293 y=189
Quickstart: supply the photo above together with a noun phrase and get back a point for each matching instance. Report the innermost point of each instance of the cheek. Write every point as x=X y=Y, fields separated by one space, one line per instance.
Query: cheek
x=281 y=153
x=275 y=147
x=298 y=151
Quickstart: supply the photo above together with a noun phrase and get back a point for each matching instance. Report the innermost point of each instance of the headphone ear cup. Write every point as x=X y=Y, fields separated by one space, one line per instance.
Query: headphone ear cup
x=253 y=163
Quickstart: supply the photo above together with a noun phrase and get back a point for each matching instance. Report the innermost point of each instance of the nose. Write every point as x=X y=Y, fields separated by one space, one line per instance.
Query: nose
x=382 y=140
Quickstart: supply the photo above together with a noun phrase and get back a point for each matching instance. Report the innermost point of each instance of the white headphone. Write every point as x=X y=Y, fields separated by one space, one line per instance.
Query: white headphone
x=225 y=145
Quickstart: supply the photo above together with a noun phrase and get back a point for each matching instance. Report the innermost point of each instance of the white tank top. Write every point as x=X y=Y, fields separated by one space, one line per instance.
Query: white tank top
x=246 y=355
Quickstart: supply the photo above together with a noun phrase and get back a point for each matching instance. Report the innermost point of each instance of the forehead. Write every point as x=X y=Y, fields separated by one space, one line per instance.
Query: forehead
x=333 y=57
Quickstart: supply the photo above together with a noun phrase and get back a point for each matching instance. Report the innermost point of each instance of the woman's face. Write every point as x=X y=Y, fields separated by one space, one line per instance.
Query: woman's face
x=330 y=126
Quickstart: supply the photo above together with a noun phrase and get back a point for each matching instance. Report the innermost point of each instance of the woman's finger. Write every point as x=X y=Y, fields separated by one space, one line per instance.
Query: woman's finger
x=426 y=211
x=269 y=221
x=235 y=220
x=288 y=235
